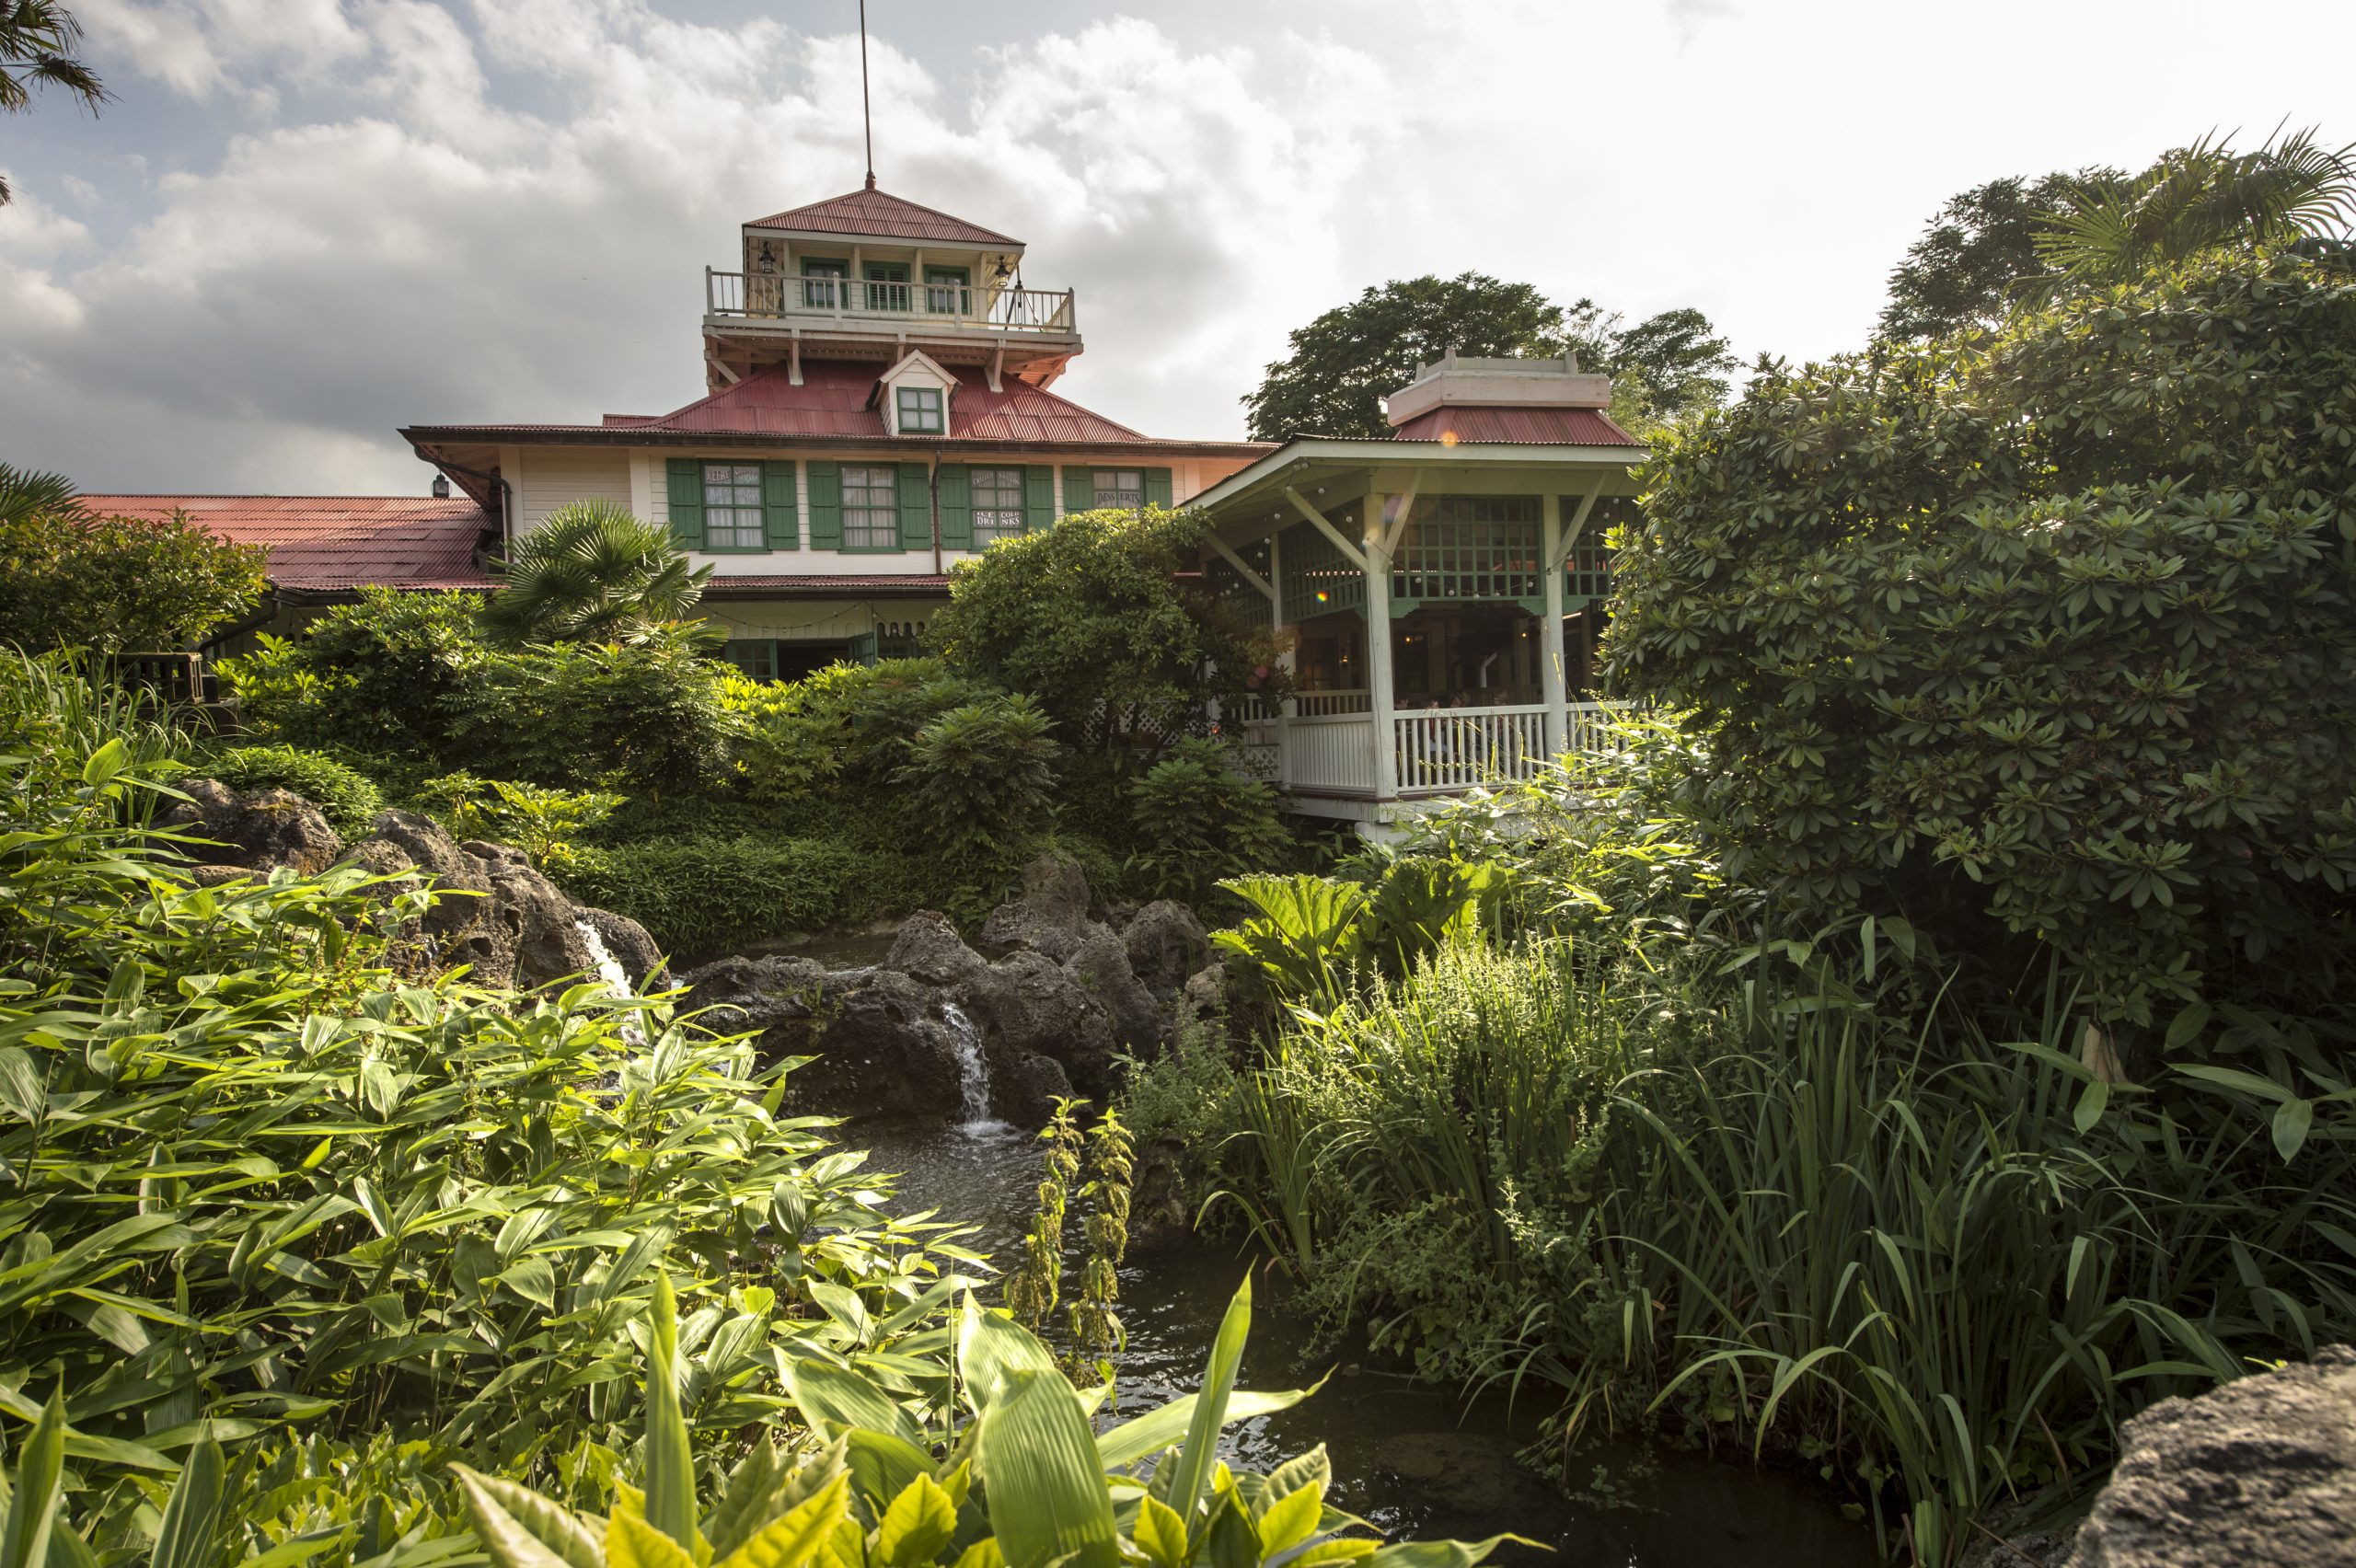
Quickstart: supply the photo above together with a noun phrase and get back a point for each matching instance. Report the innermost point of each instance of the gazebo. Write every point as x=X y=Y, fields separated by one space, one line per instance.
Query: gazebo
x=1438 y=594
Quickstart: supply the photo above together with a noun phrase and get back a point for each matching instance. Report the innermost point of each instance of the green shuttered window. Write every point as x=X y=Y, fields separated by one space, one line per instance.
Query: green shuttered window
x=825 y=506
x=1094 y=489
x=997 y=506
x=871 y=507
x=683 y=483
x=956 y=506
x=916 y=507
x=1038 y=499
x=729 y=508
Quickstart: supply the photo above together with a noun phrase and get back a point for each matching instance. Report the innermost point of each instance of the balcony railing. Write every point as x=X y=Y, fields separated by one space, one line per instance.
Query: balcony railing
x=763 y=296
x=1434 y=752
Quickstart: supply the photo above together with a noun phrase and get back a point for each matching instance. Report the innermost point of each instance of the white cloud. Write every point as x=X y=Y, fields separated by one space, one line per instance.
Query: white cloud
x=480 y=209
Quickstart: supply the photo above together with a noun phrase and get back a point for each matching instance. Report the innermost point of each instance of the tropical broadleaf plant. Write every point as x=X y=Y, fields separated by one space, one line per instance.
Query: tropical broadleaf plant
x=1013 y=1478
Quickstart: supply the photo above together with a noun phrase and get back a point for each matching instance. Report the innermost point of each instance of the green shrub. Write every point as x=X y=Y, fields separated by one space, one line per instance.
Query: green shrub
x=545 y=824
x=411 y=674
x=1194 y=818
x=841 y=733
x=2039 y=639
x=77 y=579
x=347 y=795
x=974 y=787
x=704 y=895
x=298 y=1187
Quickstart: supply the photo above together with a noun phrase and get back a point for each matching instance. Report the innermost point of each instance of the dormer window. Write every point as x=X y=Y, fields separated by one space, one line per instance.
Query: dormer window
x=920 y=410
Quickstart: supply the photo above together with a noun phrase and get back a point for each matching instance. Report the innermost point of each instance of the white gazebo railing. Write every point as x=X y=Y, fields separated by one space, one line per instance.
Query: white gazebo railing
x=1450 y=749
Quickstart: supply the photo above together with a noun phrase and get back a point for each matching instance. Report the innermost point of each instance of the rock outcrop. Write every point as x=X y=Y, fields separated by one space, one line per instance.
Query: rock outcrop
x=2259 y=1474
x=492 y=911
x=1048 y=1017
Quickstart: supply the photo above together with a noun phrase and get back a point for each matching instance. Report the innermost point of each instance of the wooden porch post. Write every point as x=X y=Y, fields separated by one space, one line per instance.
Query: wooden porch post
x=1553 y=686
x=1288 y=707
x=1377 y=545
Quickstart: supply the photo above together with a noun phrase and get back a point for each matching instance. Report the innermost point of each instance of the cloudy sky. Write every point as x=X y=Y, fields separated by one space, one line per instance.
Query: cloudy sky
x=303 y=223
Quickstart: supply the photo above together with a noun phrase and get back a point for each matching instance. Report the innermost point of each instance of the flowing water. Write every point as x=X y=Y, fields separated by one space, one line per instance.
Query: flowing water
x=611 y=973
x=1413 y=1458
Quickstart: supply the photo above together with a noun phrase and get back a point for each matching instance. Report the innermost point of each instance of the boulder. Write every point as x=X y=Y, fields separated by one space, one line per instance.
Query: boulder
x=1024 y=1090
x=1165 y=945
x=493 y=911
x=625 y=941
x=1051 y=914
x=1201 y=1008
x=1100 y=965
x=258 y=830
x=1026 y=1005
x=930 y=949
x=1157 y=1214
x=881 y=1044
x=2258 y=1474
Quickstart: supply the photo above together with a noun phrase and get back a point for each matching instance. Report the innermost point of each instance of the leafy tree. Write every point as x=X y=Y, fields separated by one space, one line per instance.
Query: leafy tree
x=73 y=578
x=593 y=573
x=2038 y=640
x=2291 y=190
x=1344 y=363
x=1979 y=258
x=1088 y=618
x=36 y=42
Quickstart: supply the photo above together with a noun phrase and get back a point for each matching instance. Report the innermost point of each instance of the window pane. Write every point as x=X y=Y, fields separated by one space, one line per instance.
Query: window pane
x=871 y=514
x=1119 y=487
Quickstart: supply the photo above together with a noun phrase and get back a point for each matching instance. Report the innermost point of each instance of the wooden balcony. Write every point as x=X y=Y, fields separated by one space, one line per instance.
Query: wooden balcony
x=915 y=309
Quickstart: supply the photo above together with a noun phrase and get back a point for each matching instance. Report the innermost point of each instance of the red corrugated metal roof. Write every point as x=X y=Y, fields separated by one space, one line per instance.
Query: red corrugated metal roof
x=326 y=542
x=832 y=401
x=874 y=212
x=1516 y=427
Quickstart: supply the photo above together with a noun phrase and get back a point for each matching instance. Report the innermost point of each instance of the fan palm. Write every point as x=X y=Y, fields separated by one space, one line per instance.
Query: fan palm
x=593 y=573
x=37 y=38
x=2291 y=189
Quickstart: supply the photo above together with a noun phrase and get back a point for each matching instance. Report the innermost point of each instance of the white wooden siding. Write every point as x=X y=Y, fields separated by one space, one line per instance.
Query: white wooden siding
x=555 y=474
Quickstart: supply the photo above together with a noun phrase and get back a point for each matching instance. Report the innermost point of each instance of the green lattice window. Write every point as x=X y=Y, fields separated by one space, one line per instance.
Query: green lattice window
x=1586 y=576
x=1469 y=547
x=1317 y=581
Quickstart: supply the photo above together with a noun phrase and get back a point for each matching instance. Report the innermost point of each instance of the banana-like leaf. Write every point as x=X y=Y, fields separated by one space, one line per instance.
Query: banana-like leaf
x=832 y=1398
x=631 y=1543
x=991 y=1348
x=1164 y=1425
x=670 y=1464
x=1440 y=1553
x=33 y=1504
x=1046 y=1496
x=883 y=1466
x=751 y=1485
x=1193 y=1464
x=191 y=1519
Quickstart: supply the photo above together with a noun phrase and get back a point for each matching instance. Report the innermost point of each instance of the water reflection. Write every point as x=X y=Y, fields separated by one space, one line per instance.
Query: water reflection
x=1412 y=1458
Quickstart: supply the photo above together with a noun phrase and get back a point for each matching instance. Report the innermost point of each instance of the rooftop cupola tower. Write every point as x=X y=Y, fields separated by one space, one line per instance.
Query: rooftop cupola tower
x=871 y=277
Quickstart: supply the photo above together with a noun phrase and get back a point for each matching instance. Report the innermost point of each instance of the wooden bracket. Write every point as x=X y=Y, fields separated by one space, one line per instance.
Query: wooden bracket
x=1350 y=552
x=1250 y=576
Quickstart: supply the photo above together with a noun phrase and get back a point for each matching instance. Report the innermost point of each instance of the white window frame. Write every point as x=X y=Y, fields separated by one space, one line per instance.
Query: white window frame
x=931 y=419
x=860 y=530
x=1004 y=515
x=725 y=519
x=1126 y=482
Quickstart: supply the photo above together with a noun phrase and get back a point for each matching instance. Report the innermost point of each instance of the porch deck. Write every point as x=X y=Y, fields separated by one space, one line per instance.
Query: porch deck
x=1322 y=750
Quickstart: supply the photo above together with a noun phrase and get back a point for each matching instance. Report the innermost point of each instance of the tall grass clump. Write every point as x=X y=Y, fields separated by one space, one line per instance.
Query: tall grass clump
x=1941 y=1263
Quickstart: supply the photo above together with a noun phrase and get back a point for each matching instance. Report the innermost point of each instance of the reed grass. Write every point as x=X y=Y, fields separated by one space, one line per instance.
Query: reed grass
x=1932 y=1257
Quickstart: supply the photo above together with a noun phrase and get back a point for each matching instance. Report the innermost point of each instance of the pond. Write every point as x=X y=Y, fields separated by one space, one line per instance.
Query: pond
x=1414 y=1458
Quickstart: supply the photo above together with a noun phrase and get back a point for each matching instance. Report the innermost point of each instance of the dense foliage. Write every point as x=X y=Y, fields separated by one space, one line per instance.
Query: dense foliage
x=349 y=798
x=265 y=1183
x=412 y=673
x=1940 y=1267
x=1089 y=620
x=1023 y=1482
x=1345 y=361
x=1979 y=258
x=1194 y=818
x=77 y=579
x=592 y=572
x=2035 y=642
x=697 y=892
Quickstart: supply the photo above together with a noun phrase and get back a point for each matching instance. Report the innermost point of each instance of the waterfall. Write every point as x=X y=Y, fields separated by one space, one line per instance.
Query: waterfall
x=973 y=1072
x=610 y=971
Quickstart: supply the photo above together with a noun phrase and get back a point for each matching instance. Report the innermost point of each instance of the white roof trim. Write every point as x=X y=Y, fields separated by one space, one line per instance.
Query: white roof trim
x=1387 y=453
